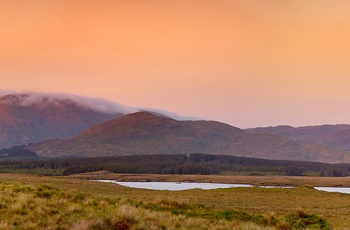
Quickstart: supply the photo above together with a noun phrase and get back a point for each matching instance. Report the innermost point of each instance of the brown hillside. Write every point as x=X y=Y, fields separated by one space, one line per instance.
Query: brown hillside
x=333 y=136
x=23 y=121
x=146 y=133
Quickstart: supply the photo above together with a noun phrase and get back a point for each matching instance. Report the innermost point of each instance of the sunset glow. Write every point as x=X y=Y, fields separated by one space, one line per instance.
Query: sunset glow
x=244 y=62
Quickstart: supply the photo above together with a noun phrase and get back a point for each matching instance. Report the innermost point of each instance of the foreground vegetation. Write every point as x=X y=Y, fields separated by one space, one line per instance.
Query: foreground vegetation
x=25 y=206
x=175 y=164
x=83 y=204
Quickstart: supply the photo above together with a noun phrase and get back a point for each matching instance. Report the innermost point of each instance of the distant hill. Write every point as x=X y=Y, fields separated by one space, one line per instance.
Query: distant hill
x=145 y=133
x=333 y=136
x=331 y=143
x=31 y=118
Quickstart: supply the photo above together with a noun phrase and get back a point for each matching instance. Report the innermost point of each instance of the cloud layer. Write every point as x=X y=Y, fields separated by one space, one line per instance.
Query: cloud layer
x=27 y=98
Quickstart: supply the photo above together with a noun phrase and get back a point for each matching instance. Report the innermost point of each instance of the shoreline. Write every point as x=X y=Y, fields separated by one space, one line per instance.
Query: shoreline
x=227 y=179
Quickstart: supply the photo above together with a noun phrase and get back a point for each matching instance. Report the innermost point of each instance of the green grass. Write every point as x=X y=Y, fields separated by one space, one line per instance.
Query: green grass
x=298 y=219
x=79 y=201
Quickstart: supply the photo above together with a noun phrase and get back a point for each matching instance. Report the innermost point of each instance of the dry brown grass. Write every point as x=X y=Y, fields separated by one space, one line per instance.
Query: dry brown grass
x=46 y=207
x=334 y=207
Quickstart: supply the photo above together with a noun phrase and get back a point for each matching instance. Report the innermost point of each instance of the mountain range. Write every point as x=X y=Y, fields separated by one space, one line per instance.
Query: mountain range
x=54 y=126
x=147 y=133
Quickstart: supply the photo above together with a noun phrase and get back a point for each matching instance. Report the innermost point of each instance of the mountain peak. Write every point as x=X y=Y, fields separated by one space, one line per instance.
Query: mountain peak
x=145 y=115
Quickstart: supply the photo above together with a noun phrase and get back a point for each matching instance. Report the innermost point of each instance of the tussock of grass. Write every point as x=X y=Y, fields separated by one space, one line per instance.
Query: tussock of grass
x=269 y=218
x=301 y=219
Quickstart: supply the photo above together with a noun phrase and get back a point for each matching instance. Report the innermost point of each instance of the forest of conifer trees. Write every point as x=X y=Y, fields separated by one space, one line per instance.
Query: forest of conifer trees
x=196 y=163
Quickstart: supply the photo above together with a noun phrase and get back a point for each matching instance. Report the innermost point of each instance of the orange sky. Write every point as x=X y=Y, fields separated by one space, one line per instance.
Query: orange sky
x=245 y=62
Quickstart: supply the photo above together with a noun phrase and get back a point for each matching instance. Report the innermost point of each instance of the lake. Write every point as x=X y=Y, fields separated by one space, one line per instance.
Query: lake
x=178 y=186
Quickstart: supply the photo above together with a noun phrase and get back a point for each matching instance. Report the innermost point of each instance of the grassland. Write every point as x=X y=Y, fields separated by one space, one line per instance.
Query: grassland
x=239 y=208
x=46 y=207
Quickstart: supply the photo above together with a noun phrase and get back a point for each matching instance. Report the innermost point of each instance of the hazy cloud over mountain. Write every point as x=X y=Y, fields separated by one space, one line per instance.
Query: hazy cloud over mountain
x=97 y=104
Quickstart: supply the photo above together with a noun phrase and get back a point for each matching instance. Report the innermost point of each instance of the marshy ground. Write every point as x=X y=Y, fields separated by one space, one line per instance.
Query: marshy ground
x=68 y=203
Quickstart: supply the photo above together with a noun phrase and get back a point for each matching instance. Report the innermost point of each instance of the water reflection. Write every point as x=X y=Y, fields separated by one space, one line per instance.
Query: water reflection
x=334 y=189
x=177 y=186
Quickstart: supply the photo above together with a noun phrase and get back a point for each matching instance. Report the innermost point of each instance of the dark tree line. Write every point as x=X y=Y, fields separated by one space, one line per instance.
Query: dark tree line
x=180 y=164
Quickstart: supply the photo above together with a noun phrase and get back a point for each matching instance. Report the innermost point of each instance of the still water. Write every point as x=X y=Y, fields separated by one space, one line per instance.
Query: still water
x=177 y=186
x=334 y=189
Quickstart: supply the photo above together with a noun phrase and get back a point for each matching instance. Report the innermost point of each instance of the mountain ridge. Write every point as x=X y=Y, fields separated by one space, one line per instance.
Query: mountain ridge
x=146 y=129
x=68 y=125
x=145 y=133
x=335 y=136
x=31 y=117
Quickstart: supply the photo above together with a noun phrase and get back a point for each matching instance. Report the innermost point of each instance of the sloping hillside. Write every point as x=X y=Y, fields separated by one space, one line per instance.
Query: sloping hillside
x=333 y=136
x=143 y=133
x=26 y=118
x=146 y=133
